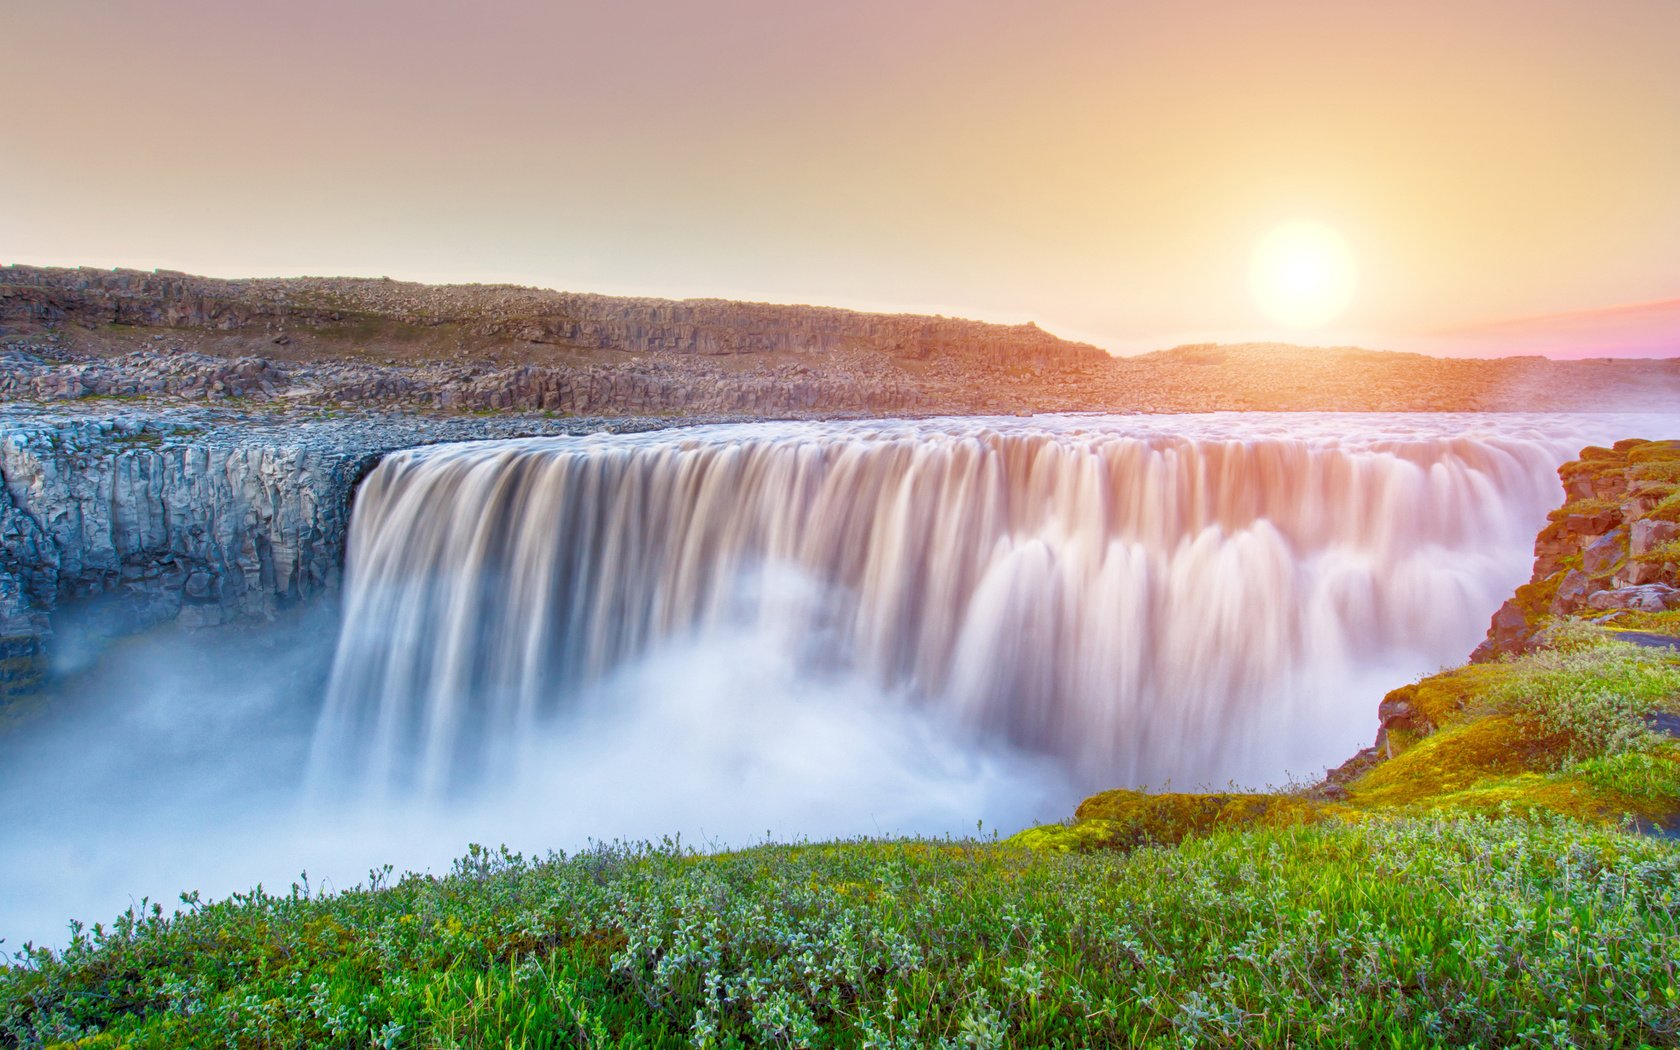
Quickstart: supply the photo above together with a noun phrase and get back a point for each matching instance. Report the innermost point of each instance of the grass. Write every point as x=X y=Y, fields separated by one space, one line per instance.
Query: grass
x=1561 y=730
x=1388 y=933
x=1655 y=622
x=1668 y=509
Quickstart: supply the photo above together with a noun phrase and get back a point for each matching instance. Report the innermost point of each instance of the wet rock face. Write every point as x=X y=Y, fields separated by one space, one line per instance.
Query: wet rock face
x=156 y=519
x=200 y=516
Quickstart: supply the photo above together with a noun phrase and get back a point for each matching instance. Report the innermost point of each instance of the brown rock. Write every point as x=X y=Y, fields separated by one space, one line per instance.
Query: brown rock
x=1635 y=573
x=1574 y=590
x=1651 y=597
x=1605 y=554
x=1645 y=536
x=1595 y=524
x=1509 y=633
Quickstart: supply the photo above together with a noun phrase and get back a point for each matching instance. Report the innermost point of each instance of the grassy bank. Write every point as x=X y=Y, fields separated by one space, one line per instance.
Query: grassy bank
x=1382 y=933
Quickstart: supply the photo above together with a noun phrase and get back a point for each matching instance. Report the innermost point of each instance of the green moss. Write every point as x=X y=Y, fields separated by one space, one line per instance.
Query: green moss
x=1655 y=622
x=1123 y=818
x=1649 y=451
x=1642 y=785
x=1081 y=836
x=1452 y=760
x=103 y=1041
x=1438 y=699
x=1587 y=507
x=1561 y=730
x=1562 y=794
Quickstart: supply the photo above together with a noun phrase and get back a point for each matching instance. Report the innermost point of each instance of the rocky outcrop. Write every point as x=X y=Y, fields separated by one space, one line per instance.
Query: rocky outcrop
x=177 y=524
x=1610 y=549
x=644 y=386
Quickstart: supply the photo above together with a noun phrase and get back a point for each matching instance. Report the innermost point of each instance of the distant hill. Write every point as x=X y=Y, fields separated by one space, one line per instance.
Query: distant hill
x=78 y=333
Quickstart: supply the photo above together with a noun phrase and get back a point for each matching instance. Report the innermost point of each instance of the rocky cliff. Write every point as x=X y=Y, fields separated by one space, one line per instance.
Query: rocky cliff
x=1611 y=552
x=198 y=516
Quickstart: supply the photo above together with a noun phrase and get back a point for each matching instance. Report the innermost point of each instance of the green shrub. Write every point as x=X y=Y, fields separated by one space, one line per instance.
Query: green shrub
x=1591 y=692
x=1383 y=933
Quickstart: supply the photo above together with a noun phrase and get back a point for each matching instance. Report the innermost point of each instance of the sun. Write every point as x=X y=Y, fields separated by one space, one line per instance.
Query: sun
x=1303 y=274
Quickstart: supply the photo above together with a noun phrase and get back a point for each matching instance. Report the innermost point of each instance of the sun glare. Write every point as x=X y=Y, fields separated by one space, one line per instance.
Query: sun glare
x=1303 y=274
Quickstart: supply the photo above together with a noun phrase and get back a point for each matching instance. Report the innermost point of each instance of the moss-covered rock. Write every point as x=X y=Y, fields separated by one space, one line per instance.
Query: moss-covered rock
x=1450 y=761
x=1122 y=819
x=1414 y=711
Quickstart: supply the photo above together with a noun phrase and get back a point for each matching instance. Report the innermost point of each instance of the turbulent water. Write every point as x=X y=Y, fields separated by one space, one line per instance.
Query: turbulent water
x=802 y=629
x=1142 y=601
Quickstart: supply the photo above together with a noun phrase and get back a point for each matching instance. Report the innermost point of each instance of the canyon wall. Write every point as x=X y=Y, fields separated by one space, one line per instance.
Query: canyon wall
x=133 y=519
x=144 y=520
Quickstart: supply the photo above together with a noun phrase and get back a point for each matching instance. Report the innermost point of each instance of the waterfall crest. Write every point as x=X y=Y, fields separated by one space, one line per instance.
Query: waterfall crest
x=1192 y=600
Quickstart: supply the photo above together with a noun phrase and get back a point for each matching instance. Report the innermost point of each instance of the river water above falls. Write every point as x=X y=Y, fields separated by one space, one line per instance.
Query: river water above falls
x=802 y=628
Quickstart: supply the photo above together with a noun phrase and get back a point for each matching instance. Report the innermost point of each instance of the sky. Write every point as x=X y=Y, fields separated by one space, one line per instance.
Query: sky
x=1504 y=174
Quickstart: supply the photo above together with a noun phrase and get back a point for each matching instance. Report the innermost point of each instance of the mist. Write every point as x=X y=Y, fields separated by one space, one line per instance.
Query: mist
x=176 y=761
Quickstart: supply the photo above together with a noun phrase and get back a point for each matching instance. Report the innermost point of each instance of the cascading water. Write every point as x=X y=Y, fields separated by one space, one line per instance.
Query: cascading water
x=1184 y=599
x=800 y=630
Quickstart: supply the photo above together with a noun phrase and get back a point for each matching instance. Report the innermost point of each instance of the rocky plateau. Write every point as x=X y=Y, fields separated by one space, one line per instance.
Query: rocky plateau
x=77 y=334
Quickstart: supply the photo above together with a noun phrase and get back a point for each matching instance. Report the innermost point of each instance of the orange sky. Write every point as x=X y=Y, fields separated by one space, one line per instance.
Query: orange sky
x=1103 y=168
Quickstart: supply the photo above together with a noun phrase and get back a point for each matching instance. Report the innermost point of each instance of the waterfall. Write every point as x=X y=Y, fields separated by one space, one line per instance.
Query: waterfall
x=1144 y=601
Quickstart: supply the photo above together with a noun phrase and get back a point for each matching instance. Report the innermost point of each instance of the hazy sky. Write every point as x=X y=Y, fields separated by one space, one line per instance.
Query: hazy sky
x=1104 y=168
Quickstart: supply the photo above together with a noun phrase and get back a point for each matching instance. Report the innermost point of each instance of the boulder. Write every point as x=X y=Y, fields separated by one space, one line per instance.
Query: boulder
x=1646 y=535
x=1606 y=554
x=1643 y=497
x=1571 y=527
x=1635 y=573
x=1650 y=597
x=1575 y=589
x=1395 y=707
x=1509 y=633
